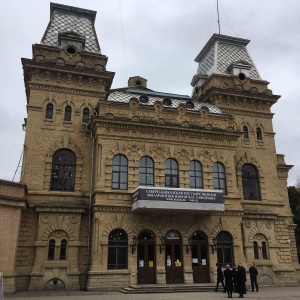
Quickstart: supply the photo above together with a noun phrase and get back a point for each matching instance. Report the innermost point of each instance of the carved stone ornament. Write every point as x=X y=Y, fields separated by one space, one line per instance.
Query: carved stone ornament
x=45 y=219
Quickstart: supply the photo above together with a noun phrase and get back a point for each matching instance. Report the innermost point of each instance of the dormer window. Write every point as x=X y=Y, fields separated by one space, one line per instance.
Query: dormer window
x=189 y=104
x=242 y=76
x=71 y=50
x=167 y=102
x=138 y=83
x=144 y=99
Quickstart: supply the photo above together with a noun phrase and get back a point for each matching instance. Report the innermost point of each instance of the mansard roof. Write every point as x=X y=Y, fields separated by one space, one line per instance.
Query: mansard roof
x=125 y=94
x=220 y=52
x=68 y=19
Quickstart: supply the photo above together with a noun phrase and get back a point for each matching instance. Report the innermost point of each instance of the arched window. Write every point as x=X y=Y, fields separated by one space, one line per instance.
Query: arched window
x=196 y=181
x=224 y=249
x=255 y=248
x=68 y=113
x=245 y=133
x=260 y=246
x=49 y=111
x=120 y=172
x=63 y=171
x=171 y=173
x=219 y=177
x=146 y=171
x=85 y=115
x=63 y=250
x=264 y=250
x=51 y=249
x=117 y=250
x=258 y=134
x=250 y=182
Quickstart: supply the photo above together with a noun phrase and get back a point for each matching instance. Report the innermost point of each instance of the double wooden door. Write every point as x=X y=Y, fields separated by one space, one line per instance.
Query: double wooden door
x=200 y=262
x=173 y=258
x=146 y=258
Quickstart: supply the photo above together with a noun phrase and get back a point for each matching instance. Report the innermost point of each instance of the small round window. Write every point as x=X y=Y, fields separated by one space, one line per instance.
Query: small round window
x=144 y=99
x=242 y=76
x=189 y=104
x=71 y=50
x=167 y=102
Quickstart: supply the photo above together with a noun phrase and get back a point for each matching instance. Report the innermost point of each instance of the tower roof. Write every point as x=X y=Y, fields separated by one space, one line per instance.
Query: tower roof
x=68 y=19
x=222 y=51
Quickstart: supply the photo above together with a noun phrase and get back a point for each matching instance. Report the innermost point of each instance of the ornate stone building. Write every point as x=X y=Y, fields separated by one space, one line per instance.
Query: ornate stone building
x=133 y=186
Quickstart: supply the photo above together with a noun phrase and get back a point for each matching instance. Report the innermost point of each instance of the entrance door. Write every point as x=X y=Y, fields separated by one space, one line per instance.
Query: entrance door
x=146 y=258
x=199 y=252
x=173 y=258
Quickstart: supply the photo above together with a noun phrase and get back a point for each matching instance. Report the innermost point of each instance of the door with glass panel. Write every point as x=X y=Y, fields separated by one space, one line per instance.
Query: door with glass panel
x=146 y=258
x=199 y=252
x=173 y=258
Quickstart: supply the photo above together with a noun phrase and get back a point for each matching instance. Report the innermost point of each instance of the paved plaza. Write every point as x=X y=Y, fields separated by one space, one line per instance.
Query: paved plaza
x=273 y=293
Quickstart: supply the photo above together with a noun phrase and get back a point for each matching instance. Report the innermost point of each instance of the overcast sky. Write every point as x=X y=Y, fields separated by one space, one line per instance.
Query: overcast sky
x=159 y=40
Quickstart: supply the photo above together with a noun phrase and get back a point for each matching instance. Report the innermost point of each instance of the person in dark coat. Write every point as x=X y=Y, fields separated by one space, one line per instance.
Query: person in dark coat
x=234 y=275
x=241 y=281
x=220 y=278
x=253 y=277
x=228 y=274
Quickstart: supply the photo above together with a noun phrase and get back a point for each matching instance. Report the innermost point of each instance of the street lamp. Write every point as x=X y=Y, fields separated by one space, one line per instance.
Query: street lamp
x=214 y=245
x=134 y=243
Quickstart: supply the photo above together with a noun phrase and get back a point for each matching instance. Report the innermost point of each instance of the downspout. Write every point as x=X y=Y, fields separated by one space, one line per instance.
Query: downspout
x=88 y=257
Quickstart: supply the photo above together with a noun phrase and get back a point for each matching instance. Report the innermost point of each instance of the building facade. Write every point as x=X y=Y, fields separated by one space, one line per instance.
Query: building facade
x=133 y=186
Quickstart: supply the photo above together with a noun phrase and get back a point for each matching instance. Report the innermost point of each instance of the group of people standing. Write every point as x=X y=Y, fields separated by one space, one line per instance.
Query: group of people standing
x=235 y=279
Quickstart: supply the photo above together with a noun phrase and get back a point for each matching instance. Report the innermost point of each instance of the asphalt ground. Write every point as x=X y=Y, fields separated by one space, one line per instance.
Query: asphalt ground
x=274 y=293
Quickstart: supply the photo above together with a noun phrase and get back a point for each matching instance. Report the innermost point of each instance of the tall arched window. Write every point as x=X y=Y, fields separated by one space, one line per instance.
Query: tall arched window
x=63 y=250
x=171 y=173
x=258 y=134
x=250 y=182
x=264 y=250
x=146 y=170
x=245 y=133
x=219 y=177
x=85 y=115
x=68 y=113
x=117 y=250
x=120 y=172
x=255 y=248
x=63 y=171
x=224 y=249
x=49 y=111
x=51 y=249
x=196 y=181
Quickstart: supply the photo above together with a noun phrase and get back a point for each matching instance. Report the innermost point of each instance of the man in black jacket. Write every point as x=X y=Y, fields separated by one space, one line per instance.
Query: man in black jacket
x=220 y=278
x=253 y=277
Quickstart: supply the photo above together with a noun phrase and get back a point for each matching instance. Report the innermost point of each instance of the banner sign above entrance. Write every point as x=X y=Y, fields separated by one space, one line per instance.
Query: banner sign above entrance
x=152 y=198
x=178 y=195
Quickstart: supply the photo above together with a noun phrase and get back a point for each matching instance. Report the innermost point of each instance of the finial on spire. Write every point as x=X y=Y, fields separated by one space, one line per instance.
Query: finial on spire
x=218 y=16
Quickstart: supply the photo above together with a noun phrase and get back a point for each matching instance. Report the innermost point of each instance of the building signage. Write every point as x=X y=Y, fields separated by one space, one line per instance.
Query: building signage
x=177 y=195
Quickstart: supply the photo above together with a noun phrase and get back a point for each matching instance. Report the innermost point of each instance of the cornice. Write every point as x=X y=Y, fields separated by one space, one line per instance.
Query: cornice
x=67 y=90
x=247 y=113
x=111 y=208
x=214 y=133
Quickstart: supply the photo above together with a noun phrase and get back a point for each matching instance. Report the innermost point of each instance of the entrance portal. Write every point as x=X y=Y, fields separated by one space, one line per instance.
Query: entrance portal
x=199 y=251
x=173 y=258
x=146 y=258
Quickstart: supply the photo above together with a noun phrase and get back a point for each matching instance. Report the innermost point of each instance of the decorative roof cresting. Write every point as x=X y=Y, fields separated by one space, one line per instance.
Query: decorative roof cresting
x=65 y=18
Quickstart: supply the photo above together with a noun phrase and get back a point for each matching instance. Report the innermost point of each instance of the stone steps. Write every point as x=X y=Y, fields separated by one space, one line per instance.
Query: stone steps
x=168 y=288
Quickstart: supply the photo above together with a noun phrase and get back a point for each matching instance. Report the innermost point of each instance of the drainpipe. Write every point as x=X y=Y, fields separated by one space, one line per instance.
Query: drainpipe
x=88 y=257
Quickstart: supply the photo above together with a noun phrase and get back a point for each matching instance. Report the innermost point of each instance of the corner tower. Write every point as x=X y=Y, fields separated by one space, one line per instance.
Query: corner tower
x=228 y=78
x=64 y=81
